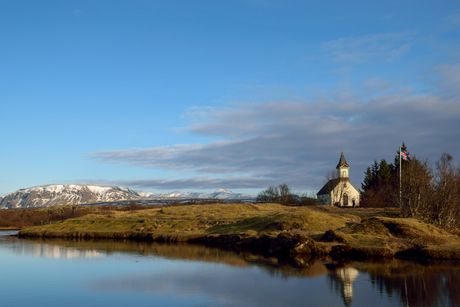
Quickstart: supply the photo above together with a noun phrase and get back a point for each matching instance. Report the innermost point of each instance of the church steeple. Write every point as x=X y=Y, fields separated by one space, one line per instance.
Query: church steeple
x=342 y=168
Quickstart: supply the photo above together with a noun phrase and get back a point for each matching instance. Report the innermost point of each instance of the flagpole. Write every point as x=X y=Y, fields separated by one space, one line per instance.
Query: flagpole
x=400 y=180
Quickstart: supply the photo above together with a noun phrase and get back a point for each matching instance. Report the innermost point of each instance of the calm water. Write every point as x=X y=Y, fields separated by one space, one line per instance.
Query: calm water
x=106 y=273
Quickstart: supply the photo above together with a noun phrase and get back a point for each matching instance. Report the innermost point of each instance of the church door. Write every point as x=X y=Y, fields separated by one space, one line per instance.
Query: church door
x=345 y=200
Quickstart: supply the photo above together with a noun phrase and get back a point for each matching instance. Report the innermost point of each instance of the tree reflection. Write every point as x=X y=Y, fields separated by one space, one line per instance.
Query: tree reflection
x=418 y=284
x=421 y=286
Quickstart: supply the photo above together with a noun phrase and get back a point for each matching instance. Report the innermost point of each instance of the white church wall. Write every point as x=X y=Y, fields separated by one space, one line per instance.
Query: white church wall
x=342 y=189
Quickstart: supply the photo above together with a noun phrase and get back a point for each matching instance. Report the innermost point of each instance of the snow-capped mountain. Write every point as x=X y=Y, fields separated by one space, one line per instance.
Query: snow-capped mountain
x=60 y=194
x=78 y=194
x=219 y=194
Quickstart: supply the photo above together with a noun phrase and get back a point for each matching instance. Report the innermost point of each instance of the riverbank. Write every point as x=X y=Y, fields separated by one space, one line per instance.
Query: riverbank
x=268 y=229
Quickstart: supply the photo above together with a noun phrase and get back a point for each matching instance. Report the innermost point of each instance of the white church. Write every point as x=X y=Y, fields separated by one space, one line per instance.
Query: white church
x=339 y=191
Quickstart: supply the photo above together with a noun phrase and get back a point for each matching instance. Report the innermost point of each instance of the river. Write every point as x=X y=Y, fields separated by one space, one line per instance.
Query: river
x=55 y=272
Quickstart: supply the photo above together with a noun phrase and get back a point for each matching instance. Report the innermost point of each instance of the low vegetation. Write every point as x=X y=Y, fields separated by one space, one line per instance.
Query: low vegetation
x=17 y=219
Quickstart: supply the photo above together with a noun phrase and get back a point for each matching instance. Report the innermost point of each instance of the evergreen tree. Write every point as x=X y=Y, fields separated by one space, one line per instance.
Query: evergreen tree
x=375 y=171
x=368 y=179
x=384 y=172
x=381 y=182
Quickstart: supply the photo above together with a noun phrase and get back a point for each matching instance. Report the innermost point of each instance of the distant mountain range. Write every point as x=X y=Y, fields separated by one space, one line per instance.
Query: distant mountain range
x=219 y=194
x=78 y=194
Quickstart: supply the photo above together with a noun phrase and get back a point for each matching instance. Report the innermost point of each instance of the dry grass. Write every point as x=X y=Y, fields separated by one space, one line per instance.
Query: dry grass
x=192 y=221
x=393 y=236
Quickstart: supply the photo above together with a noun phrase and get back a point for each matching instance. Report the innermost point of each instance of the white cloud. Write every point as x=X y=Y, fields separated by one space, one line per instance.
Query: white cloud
x=298 y=142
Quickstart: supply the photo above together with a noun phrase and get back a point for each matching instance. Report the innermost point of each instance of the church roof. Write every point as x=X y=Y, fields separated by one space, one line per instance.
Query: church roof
x=328 y=187
x=331 y=184
x=342 y=162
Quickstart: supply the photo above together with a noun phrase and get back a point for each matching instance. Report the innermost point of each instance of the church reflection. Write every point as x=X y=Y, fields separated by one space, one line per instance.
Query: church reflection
x=342 y=282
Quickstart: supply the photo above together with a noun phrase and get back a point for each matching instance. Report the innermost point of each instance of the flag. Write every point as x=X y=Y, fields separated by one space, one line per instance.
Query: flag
x=405 y=156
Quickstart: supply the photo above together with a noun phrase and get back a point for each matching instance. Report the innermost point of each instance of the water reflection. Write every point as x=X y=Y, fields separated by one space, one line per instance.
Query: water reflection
x=342 y=280
x=40 y=248
x=411 y=283
x=426 y=284
x=215 y=276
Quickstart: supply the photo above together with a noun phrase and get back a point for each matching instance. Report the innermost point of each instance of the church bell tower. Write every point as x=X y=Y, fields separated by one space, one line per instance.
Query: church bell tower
x=343 y=169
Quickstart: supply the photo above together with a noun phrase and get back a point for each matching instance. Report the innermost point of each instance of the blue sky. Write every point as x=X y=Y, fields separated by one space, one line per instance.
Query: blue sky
x=200 y=95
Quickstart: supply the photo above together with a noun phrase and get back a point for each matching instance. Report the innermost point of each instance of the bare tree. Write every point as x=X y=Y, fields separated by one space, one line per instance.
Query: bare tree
x=269 y=195
x=286 y=197
x=280 y=194
x=446 y=182
x=417 y=193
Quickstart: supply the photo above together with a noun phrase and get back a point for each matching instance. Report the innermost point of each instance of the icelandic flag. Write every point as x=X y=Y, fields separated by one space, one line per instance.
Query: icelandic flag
x=405 y=156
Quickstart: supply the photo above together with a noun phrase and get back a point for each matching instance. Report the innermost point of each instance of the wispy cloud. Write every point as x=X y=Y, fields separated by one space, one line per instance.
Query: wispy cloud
x=451 y=22
x=298 y=142
x=360 y=49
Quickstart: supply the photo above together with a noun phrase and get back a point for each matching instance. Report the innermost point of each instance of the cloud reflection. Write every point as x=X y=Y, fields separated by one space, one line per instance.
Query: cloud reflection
x=226 y=285
x=40 y=249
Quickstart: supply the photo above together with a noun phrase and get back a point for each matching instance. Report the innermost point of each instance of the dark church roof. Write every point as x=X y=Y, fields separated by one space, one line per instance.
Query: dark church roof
x=342 y=162
x=328 y=187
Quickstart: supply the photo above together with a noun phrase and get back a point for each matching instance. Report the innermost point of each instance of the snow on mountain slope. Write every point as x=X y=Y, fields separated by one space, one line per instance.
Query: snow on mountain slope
x=63 y=194
x=144 y=194
x=219 y=194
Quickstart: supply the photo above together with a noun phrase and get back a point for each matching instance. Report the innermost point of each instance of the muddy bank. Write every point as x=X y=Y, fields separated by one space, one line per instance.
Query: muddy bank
x=293 y=245
x=282 y=244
